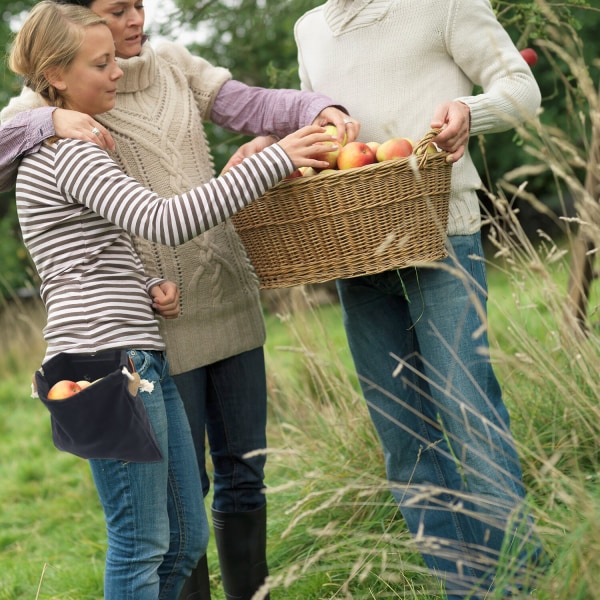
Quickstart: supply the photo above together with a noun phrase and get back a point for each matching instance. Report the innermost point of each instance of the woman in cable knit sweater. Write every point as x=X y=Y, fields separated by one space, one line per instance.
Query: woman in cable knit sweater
x=418 y=335
x=215 y=345
x=76 y=209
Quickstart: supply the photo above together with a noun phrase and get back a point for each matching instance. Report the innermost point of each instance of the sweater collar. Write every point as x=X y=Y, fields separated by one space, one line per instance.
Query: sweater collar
x=139 y=71
x=346 y=15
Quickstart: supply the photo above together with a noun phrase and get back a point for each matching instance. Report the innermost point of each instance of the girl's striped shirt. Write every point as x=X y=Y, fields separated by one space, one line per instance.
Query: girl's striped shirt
x=76 y=210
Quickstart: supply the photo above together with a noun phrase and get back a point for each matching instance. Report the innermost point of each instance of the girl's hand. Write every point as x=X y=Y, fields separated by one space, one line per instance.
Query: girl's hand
x=248 y=149
x=305 y=145
x=165 y=299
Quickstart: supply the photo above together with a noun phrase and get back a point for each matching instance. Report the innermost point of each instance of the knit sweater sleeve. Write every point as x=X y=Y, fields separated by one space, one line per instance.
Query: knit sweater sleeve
x=203 y=78
x=484 y=51
x=87 y=175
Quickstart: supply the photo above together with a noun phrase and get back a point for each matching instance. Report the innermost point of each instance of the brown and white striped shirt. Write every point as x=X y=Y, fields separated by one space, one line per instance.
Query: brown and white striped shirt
x=76 y=210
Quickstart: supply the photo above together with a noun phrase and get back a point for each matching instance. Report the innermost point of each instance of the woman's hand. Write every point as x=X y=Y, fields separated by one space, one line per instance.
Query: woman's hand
x=345 y=124
x=79 y=126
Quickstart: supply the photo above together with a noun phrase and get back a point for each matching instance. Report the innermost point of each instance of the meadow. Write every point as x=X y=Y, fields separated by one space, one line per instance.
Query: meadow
x=334 y=531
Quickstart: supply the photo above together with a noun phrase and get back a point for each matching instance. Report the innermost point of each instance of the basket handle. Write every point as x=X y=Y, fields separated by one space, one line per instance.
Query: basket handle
x=421 y=146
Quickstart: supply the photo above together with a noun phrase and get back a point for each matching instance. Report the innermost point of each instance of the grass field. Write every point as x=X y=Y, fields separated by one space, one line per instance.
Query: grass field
x=333 y=530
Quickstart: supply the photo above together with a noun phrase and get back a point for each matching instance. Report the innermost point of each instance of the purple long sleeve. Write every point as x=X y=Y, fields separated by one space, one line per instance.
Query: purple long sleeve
x=259 y=111
x=22 y=135
x=237 y=107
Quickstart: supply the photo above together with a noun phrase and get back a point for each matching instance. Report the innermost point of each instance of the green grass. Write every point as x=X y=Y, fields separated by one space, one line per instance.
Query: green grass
x=51 y=525
x=334 y=531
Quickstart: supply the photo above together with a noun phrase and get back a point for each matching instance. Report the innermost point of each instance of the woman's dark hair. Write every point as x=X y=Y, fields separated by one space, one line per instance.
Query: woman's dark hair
x=85 y=3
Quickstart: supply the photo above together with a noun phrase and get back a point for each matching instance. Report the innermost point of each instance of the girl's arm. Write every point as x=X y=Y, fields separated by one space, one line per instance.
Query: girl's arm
x=87 y=175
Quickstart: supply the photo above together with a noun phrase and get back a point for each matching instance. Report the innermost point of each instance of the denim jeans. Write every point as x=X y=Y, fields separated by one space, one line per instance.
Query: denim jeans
x=227 y=400
x=156 y=523
x=418 y=338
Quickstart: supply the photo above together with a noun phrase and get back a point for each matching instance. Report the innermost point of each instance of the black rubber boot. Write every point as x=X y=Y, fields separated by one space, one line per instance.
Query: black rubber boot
x=197 y=586
x=241 y=543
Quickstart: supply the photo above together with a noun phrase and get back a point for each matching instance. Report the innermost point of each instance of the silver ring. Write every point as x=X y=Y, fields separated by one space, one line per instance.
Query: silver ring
x=96 y=131
x=346 y=121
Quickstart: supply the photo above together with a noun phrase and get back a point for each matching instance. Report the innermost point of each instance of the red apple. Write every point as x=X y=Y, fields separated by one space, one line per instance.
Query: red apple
x=63 y=389
x=355 y=154
x=294 y=174
x=396 y=147
x=83 y=383
x=530 y=56
x=331 y=157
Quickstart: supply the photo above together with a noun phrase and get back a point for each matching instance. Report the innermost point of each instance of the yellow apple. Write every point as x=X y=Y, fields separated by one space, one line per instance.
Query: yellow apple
x=431 y=148
x=355 y=154
x=397 y=147
x=331 y=157
x=307 y=171
x=374 y=146
x=63 y=389
x=83 y=383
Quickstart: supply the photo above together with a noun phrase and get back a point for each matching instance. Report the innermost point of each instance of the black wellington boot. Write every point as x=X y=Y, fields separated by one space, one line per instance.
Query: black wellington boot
x=241 y=543
x=197 y=586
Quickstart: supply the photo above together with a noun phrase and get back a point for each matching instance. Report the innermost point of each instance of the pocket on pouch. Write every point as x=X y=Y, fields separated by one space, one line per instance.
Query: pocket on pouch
x=103 y=420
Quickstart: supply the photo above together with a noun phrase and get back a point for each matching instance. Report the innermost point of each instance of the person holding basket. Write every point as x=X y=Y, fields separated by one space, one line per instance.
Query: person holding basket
x=418 y=335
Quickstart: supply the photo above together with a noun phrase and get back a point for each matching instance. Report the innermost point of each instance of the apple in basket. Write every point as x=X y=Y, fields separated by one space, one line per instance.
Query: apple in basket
x=294 y=174
x=63 y=389
x=307 y=171
x=374 y=146
x=396 y=147
x=355 y=154
x=431 y=148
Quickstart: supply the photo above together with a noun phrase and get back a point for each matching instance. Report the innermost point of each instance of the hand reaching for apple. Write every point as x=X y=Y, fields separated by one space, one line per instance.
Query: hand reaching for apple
x=305 y=145
x=347 y=127
x=258 y=144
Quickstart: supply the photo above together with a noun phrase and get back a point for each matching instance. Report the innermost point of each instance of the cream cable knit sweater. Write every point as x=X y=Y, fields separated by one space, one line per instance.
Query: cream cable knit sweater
x=221 y=313
x=392 y=62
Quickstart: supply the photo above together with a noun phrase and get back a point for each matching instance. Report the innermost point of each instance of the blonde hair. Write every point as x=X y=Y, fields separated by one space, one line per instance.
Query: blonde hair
x=48 y=40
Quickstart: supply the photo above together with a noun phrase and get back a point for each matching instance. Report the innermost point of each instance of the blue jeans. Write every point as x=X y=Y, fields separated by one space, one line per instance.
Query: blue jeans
x=418 y=338
x=227 y=400
x=156 y=523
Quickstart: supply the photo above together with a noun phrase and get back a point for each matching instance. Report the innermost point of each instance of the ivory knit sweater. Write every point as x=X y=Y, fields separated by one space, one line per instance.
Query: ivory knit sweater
x=392 y=62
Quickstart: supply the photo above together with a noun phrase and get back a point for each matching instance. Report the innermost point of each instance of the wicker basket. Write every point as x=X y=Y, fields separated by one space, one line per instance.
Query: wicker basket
x=354 y=222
